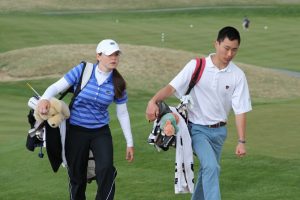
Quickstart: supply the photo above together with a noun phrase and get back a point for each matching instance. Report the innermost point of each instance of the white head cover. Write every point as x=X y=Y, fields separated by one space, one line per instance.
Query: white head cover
x=107 y=47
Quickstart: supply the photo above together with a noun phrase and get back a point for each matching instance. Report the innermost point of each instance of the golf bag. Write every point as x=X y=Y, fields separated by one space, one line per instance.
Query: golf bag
x=36 y=133
x=37 y=137
x=157 y=137
x=41 y=135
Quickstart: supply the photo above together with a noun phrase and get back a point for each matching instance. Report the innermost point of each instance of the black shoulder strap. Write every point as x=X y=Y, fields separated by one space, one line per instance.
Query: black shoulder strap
x=78 y=88
x=71 y=89
x=200 y=64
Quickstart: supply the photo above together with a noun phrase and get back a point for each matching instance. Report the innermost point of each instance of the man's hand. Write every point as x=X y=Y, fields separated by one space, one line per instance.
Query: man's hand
x=152 y=111
x=240 y=150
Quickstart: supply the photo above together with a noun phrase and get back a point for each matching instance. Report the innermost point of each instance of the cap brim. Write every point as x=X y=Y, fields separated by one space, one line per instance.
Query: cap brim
x=108 y=53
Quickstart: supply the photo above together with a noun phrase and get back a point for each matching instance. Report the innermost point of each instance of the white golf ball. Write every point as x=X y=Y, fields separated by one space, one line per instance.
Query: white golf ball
x=266 y=27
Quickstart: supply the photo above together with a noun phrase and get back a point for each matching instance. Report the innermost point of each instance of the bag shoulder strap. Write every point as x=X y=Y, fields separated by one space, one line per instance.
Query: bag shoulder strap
x=200 y=65
x=84 y=78
x=86 y=74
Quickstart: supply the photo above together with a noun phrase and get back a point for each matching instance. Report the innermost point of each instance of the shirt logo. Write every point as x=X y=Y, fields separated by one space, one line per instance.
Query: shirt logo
x=227 y=87
x=107 y=92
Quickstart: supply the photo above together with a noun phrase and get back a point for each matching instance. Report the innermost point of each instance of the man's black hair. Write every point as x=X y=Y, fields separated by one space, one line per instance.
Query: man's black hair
x=229 y=32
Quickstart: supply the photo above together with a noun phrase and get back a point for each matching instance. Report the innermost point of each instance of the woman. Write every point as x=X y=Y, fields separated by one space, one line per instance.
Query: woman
x=89 y=121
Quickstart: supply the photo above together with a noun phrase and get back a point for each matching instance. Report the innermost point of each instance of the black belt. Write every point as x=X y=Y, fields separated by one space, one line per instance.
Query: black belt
x=217 y=125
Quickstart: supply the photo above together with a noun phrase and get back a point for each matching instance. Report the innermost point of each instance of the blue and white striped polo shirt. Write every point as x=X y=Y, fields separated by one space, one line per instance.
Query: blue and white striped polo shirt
x=90 y=108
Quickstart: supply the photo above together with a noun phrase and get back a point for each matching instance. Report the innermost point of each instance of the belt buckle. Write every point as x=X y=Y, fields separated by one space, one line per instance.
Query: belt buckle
x=212 y=126
x=217 y=125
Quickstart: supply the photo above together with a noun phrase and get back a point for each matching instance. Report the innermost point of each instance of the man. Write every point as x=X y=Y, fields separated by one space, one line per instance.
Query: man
x=246 y=23
x=222 y=87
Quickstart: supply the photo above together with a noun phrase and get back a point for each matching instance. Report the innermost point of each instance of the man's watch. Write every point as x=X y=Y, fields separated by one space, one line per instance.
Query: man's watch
x=242 y=141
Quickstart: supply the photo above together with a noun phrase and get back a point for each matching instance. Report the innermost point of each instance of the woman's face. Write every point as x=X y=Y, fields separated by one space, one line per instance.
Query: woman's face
x=108 y=63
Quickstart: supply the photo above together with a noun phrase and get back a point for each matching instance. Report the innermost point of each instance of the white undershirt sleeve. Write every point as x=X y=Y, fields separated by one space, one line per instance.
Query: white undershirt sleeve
x=123 y=117
x=54 y=89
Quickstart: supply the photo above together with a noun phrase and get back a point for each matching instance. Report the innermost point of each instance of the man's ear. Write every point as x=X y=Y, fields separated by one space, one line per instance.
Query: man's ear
x=216 y=44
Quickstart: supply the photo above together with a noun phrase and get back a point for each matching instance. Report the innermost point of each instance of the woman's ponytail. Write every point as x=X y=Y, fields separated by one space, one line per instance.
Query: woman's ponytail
x=119 y=83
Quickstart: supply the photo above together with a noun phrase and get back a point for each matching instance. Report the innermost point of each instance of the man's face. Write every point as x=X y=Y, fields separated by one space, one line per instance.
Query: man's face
x=226 y=50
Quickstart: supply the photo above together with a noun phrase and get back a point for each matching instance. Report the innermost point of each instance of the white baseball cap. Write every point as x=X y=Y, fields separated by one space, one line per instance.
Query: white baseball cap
x=107 y=47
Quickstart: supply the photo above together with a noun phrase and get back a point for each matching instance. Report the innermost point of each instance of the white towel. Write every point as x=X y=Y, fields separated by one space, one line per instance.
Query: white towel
x=91 y=163
x=184 y=161
x=62 y=129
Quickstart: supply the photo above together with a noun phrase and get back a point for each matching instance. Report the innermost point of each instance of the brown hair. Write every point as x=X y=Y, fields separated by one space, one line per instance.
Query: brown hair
x=119 y=83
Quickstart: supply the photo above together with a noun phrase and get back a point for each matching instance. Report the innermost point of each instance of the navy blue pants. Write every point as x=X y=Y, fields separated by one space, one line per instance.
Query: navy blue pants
x=79 y=141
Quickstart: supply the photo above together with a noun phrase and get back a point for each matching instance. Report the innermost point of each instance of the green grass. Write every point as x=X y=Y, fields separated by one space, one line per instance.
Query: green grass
x=259 y=177
x=259 y=46
x=271 y=170
x=107 y=5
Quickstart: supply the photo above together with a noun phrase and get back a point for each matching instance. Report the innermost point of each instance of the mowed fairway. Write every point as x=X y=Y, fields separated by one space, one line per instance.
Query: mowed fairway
x=41 y=43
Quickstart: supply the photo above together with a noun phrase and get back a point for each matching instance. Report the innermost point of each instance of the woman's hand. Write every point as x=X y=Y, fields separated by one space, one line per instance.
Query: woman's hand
x=43 y=106
x=129 y=154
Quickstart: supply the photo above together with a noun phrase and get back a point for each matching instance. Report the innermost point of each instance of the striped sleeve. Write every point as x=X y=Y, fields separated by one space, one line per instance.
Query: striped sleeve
x=73 y=75
x=123 y=99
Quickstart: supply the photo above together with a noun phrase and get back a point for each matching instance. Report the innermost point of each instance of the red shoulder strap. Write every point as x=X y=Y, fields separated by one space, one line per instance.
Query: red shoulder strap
x=200 y=65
